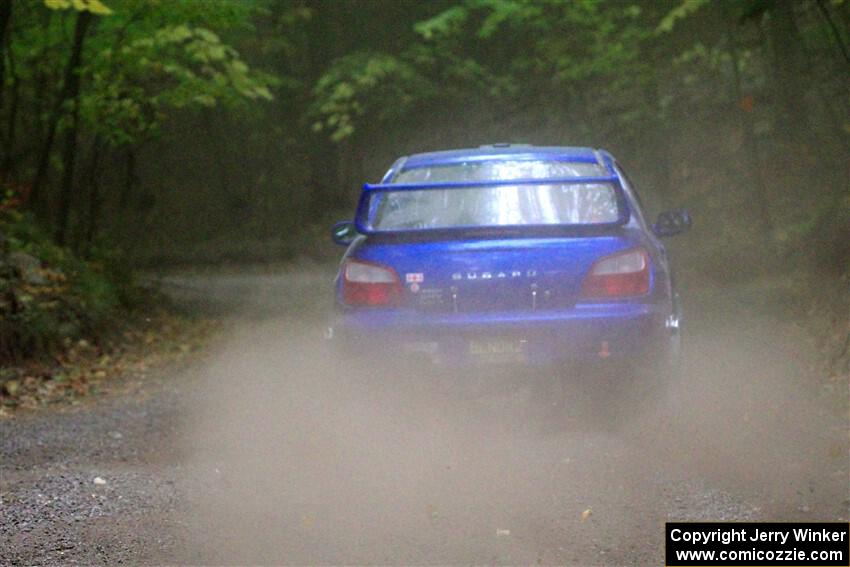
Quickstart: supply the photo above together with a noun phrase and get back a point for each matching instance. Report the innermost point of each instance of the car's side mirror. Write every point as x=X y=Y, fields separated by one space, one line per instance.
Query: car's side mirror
x=670 y=223
x=344 y=233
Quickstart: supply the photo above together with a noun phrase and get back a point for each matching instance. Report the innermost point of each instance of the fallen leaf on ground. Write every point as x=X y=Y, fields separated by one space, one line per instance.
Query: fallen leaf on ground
x=11 y=387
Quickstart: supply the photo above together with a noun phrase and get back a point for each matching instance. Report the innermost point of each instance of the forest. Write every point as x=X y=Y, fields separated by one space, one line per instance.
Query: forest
x=191 y=375
x=149 y=134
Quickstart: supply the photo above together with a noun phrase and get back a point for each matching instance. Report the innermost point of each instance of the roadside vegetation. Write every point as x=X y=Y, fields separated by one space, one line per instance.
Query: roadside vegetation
x=82 y=85
x=67 y=322
x=49 y=296
x=138 y=134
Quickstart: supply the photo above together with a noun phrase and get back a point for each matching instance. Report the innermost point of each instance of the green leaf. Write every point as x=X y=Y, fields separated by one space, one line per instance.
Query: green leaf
x=443 y=23
x=94 y=6
x=683 y=10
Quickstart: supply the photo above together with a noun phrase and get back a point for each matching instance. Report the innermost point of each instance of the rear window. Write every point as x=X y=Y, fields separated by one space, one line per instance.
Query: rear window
x=501 y=170
x=498 y=205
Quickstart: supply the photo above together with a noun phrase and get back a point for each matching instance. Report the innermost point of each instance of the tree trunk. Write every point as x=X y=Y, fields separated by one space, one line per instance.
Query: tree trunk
x=69 y=157
x=43 y=82
x=760 y=198
x=791 y=119
x=130 y=179
x=70 y=90
x=92 y=179
x=5 y=17
x=659 y=130
x=8 y=167
x=833 y=28
x=324 y=160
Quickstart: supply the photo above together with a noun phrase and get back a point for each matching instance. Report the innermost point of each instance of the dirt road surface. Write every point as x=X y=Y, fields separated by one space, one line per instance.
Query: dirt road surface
x=271 y=451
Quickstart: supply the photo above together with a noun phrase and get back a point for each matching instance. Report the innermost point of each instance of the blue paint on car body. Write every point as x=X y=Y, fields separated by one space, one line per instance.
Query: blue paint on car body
x=540 y=284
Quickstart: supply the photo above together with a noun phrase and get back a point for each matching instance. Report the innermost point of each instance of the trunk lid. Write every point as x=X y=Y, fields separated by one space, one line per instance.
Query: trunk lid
x=504 y=274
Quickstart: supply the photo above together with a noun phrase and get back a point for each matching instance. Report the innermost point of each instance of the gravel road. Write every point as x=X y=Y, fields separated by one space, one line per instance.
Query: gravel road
x=270 y=451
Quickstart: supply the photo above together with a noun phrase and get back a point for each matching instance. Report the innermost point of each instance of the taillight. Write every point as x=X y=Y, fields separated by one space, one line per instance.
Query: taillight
x=623 y=274
x=367 y=284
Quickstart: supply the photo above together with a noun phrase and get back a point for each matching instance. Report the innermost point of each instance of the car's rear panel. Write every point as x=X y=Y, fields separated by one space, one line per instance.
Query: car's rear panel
x=468 y=301
x=494 y=275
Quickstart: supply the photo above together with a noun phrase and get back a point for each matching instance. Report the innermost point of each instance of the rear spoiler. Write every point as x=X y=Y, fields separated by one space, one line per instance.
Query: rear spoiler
x=361 y=215
x=493 y=183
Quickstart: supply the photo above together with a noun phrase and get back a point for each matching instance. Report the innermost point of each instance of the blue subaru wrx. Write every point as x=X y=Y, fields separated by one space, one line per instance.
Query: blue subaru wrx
x=507 y=254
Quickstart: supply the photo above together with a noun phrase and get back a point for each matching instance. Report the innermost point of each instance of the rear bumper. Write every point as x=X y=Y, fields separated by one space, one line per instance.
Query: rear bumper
x=586 y=333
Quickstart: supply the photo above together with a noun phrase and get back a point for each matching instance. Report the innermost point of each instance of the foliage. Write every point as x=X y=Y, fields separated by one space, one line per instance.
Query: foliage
x=94 y=6
x=202 y=122
x=142 y=61
x=497 y=48
x=379 y=86
x=570 y=40
x=132 y=86
x=683 y=10
x=64 y=299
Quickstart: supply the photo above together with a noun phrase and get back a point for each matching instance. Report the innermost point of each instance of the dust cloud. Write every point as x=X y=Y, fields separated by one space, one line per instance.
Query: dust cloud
x=306 y=457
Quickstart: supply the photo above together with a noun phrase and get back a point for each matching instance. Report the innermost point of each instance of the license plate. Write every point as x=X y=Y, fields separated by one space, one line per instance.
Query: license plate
x=497 y=350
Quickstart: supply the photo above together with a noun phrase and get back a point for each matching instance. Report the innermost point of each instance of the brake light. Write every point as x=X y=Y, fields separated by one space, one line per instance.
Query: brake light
x=368 y=284
x=623 y=274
